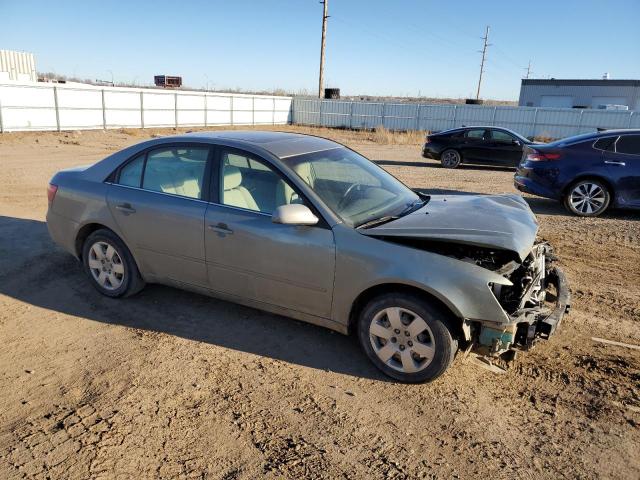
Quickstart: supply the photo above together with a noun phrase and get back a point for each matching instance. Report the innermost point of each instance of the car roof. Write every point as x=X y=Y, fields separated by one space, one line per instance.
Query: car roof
x=280 y=144
x=585 y=137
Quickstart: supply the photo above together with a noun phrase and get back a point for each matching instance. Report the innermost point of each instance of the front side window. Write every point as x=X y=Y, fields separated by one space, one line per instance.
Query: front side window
x=501 y=136
x=252 y=184
x=629 y=144
x=355 y=189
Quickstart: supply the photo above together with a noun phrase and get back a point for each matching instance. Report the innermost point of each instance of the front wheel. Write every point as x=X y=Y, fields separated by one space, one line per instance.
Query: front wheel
x=450 y=158
x=406 y=337
x=587 y=198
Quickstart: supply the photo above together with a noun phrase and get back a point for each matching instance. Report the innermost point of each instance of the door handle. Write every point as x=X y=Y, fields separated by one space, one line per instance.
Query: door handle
x=126 y=208
x=612 y=162
x=221 y=228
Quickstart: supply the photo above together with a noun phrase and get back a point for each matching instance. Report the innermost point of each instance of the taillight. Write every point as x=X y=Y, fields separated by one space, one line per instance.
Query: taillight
x=541 y=156
x=51 y=192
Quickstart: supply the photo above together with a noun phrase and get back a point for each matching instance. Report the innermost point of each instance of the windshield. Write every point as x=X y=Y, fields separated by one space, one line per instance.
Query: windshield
x=357 y=190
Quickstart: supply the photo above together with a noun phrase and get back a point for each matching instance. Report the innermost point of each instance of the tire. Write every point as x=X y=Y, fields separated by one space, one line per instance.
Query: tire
x=110 y=266
x=427 y=348
x=450 y=158
x=587 y=197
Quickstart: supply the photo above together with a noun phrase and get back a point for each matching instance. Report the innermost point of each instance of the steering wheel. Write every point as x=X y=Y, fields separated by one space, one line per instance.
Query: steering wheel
x=353 y=187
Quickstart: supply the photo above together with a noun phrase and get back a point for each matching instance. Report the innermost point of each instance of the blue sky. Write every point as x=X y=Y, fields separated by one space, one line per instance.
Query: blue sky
x=375 y=47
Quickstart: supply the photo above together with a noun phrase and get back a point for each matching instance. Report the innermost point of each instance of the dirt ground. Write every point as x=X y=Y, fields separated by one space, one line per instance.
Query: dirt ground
x=172 y=384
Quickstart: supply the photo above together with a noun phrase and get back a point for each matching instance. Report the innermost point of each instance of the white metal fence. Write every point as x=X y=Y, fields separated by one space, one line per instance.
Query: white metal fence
x=39 y=106
x=33 y=106
x=528 y=121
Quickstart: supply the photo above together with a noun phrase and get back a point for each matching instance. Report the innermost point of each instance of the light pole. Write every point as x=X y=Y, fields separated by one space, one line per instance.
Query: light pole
x=112 y=84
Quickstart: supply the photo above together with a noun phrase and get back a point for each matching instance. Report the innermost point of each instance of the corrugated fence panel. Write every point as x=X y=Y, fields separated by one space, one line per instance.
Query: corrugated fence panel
x=364 y=115
x=518 y=119
x=400 y=116
x=475 y=115
x=556 y=122
x=529 y=121
x=437 y=117
x=339 y=115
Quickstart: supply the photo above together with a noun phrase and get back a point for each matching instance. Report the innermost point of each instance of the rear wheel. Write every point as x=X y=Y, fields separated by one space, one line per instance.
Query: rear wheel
x=587 y=198
x=450 y=158
x=110 y=266
x=406 y=337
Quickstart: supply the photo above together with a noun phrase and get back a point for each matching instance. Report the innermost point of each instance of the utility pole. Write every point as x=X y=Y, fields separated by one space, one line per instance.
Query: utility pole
x=528 y=70
x=324 y=35
x=484 y=53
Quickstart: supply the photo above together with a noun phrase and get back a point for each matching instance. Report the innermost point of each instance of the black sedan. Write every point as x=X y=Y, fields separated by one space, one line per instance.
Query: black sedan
x=478 y=145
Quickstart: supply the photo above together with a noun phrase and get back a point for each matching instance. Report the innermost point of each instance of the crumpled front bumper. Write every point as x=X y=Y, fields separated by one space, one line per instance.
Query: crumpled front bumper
x=529 y=325
x=547 y=326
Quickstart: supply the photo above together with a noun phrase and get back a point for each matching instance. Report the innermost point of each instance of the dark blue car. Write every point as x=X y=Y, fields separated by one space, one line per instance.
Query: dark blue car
x=589 y=172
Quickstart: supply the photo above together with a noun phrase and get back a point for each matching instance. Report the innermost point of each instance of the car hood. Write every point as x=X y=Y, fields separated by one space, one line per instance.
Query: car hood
x=502 y=222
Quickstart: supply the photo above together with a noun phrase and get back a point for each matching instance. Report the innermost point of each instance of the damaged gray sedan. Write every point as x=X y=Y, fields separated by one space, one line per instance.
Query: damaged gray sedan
x=304 y=227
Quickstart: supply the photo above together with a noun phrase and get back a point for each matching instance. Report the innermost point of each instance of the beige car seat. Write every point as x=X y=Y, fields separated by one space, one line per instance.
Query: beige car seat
x=285 y=194
x=234 y=194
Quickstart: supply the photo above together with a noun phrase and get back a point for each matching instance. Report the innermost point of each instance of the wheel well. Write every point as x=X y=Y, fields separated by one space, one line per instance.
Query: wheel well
x=377 y=290
x=606 y=182
x=83 y=233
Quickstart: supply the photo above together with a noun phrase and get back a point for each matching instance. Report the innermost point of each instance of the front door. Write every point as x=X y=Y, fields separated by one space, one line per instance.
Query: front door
x=249 y=256
x=157 y=200
x=623 y=164
x=505 y=150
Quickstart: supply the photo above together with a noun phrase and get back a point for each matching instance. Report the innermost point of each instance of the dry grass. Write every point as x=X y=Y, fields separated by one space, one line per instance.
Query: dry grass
x=380 y=135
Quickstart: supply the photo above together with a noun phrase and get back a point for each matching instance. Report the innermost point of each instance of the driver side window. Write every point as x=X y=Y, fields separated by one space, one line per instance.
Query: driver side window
x=500 y=136
x=250 y=183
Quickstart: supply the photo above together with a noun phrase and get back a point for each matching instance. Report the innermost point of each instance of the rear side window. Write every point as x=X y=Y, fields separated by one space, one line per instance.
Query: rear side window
x=475 y=134
x=629 y=144
x=174 y=170
x=178 y=171
x=604 y=143
x=131 y=173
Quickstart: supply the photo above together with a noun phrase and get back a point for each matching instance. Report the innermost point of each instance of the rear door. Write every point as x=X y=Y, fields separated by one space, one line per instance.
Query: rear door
x=250 y=257
x=623 y=164
x=475 y=148
x=158 y=201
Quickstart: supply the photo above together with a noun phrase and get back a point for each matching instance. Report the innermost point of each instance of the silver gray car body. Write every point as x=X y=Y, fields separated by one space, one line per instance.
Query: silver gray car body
x=317 y=274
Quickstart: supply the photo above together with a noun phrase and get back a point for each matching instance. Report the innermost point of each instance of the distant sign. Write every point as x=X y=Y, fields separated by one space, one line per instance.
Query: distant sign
x=167 y=81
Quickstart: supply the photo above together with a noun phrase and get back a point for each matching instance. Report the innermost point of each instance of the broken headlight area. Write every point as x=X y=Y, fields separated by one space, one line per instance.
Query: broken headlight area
x=535 y=303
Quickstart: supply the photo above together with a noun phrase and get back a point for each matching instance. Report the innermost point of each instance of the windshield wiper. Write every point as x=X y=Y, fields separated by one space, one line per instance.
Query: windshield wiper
x=378 y=221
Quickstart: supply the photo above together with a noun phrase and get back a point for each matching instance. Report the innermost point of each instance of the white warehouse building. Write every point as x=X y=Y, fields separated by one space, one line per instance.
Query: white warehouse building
x=604 y=93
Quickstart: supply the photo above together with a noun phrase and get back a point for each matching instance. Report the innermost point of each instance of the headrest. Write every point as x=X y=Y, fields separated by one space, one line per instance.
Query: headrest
x=232 y=177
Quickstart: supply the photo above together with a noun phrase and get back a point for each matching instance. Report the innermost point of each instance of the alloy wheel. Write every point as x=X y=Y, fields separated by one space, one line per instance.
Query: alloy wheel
x=106 y=266
x=450 y=159
x=588 y=198
x=402 y=339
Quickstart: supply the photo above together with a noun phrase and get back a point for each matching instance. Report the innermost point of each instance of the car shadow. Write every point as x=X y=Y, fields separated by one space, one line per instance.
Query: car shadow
x=35 y=271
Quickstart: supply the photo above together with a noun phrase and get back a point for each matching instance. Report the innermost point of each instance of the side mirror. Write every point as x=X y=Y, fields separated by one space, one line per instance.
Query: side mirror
x=294 y=214
x=517 y=142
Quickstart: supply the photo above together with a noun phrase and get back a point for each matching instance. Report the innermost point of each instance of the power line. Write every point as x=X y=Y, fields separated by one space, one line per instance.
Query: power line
x=484 y=53
x=325 y=15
